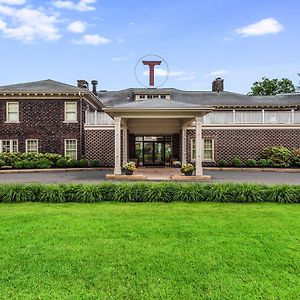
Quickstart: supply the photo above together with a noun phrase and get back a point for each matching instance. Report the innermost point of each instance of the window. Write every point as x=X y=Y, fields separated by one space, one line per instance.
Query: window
x=208 y=149
x=71 y=148
x=70 y=112
x=12 y=112
x=32 y=146
x=9 y=146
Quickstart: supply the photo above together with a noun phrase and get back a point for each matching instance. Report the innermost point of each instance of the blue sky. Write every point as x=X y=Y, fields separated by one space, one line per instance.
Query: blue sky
x=240 y=41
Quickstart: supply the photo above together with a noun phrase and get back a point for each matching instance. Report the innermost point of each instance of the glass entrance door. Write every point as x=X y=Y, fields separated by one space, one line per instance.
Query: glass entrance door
x=153 y=150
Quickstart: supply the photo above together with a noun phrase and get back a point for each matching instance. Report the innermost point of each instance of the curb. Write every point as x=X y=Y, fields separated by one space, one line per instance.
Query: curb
x=52 y=170
x=254 y=170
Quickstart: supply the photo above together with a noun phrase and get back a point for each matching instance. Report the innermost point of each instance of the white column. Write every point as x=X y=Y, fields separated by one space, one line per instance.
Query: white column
x=125 y=145
x=183 y=144
x=199 y=170
x=117 y=170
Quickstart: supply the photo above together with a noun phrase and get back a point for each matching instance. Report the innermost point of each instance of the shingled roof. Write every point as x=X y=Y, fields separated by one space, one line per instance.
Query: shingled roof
x=196 y=98
x=42 y=86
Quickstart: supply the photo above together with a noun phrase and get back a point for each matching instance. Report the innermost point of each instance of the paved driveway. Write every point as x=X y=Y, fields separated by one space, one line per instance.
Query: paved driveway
x=98 y=176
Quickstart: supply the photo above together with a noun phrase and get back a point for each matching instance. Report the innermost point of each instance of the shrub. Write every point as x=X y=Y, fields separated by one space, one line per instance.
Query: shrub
x=94 y=163
x=18 y=165
x=296 y=158
x=222 y=163
x=28 y=164
x=72 y=163
x=236 y=162
x=280 y=156
x=2 y=163
x=43 y=163
x=251 y=163
x=83 y=163
x=62 y=163
x=264 y=162
x=150 y=192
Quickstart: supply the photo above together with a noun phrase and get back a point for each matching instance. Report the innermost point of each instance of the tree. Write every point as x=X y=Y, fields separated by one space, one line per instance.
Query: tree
x=267 y=87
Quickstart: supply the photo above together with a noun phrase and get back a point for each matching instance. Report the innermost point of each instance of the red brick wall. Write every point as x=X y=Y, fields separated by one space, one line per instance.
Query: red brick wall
x=42 y=120
x=245 y=143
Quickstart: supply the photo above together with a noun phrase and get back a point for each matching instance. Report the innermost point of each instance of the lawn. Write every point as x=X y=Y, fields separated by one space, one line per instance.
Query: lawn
x=149 y=251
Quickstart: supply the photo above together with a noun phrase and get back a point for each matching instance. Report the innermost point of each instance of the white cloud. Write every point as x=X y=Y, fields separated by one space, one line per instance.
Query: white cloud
x=92 y=39
x=82 y=5
x=265 y=26
x=218 y=73
x=77 y=27
x=13 y=2
x=178 y=75
x=122 y=58
x=28 y=24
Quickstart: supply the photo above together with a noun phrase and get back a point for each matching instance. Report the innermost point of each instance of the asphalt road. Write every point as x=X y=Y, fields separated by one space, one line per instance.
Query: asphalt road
x=98 y=176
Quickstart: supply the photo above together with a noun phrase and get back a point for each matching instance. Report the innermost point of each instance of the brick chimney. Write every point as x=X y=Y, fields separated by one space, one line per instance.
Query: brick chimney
x=218 y=85
x=94 y=84
x=83 y=84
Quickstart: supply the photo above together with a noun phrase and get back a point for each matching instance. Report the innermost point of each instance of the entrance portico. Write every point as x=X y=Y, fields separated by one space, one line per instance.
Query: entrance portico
x=156 y=122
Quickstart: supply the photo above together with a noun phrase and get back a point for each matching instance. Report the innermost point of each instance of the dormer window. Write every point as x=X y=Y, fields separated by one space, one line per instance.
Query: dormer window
x=140 y=97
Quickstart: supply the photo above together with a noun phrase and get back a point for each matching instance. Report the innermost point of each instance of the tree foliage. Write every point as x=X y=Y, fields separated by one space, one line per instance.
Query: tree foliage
x=268 y=87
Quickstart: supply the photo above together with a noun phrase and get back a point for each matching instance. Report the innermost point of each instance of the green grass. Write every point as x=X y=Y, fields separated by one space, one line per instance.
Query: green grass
x=149 y=251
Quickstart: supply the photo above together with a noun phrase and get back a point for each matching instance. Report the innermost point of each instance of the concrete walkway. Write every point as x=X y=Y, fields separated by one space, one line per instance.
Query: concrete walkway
x=157 y=174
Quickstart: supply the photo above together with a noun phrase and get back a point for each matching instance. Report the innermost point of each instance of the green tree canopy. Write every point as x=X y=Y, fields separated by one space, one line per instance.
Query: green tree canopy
x=267 y=87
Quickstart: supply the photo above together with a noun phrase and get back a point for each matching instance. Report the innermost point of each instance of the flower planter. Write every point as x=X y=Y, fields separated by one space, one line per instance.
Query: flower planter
x=128 y=172
x=188 y=173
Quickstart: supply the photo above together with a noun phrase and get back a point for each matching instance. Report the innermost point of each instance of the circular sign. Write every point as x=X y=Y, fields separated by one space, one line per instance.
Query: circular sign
x=151 y=71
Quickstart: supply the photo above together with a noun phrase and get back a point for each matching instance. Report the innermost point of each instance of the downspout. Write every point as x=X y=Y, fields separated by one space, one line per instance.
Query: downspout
x=80 y=127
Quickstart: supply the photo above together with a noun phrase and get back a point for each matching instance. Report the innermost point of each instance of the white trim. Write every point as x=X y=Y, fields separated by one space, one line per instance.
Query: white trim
x=99 y=127
x=76 y=112
x=11 y=147
x=37 y=145
x=66 y=147
x=213 y=150
x=236 y=126
x=7 y=104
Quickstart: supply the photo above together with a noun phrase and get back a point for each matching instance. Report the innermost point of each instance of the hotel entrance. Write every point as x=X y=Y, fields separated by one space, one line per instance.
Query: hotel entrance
x=153 y=150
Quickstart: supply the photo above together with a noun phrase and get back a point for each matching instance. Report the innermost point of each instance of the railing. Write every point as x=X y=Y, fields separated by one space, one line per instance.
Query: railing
x=220 y=117
x=253 y=117
x=98 y=118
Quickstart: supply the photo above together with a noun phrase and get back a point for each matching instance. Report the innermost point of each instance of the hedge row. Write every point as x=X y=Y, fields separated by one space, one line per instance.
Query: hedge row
x=150 y=192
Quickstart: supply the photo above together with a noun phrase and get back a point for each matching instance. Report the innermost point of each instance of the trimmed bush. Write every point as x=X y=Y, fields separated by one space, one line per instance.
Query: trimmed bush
x=94 y=163
x=2 y=163
x=222 y=163
x=83 y=163
x=296 y=154
x=251 y=163
x=236 y=162
x=73 y=163
x=62 y=163
x=43 y=163
x=280 y=156
x=264 y=163
x=150 y=192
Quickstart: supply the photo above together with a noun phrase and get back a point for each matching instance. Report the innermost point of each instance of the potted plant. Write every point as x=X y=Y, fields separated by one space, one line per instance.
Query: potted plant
x=187 y=169
x=129 y=168
x=176 y=164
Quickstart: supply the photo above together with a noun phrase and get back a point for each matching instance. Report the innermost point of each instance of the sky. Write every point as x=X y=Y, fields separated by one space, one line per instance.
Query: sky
x=238 y=40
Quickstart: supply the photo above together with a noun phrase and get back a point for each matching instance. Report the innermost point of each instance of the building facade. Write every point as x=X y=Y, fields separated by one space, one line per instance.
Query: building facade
x=151 y=126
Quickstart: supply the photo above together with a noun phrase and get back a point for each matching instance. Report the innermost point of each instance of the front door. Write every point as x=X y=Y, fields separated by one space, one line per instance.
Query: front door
x=153 y=154
x=154 y=150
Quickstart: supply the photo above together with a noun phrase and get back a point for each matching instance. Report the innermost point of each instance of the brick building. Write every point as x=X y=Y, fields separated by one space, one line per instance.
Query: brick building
x=151 y=126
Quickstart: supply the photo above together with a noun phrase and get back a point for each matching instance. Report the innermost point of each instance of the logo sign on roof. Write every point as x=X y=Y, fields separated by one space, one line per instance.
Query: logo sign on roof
x=151 y=71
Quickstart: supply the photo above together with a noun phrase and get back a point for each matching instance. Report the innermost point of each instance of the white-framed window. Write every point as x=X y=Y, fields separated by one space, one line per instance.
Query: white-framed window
x=32 y=146
x=70 y=111
x=71 y=148
x=208 y=149
x=12 y=112
x=9 y=146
